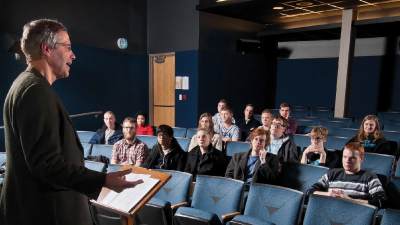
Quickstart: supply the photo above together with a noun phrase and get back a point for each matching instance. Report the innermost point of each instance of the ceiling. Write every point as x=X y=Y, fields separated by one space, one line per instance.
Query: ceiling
x=316 y=19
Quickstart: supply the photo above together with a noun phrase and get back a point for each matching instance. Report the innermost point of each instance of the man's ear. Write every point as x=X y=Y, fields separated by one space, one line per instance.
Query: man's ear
x=45 y=49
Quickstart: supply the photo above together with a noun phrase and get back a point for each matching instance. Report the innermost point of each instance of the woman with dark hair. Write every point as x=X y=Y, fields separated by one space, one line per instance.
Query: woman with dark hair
x=371 y=137
x=206 y=122
x=167 y=153
x=142 y=127
x=110 y=133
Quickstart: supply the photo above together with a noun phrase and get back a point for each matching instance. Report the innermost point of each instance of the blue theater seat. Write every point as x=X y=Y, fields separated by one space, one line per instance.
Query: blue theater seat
x=332 y=211
x=105 y=150
x=85 y=136
x=96 y=166
x=378 y=163
x=214 y=200
x=269 y=204
x=391 y=217
x=191 y=132
x=233 y=147
x=302 y=141
x=179 y=132
x=184 y=143
x=149 y=140
x=87 y=148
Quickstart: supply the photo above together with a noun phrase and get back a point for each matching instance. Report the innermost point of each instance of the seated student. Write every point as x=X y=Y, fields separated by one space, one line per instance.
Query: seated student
x=317 y=154
x=282 y=145
x=129 y=150
x=142 y=127
x=371 y=137
x=228 y=131
x=255 y=165
x=110 y=132
x=285 y=111
x=206 y=122
x=350 y=182
x=217 y=120
x=167 y=153
x=266 y=120
x=204 y=159
x=247 y=123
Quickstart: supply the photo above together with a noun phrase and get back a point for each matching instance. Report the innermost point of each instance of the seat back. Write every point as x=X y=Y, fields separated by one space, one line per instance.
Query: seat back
x=87 y=148
x=149 y=140
x=184 y=143
x=96 y=166
x=176 y=190
x=390 y=217
x=337 y=143
x=179 y=132
x=329 y=210
x=274 y=204
x=217 y=195
x=105 y=150
x=113 y=168
x=85 y=136
x=301 y=176
x=378 y=163
x=3 y=158
x=191 y=132
x=302 y=141
x=342 y=132
x=397 y=172
x=233 y=147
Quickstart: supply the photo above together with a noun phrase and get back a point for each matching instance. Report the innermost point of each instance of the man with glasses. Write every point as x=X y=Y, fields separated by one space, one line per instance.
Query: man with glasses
x=46 y=181
x=129 y=150
x=282 y=145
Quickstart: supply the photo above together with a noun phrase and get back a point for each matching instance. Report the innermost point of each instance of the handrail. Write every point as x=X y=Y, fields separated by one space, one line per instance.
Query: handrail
x=95 y=113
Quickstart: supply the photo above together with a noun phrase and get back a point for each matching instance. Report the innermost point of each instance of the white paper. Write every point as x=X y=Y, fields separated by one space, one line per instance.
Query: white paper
x=185 y=83
x=178 y=82
x=129 y=198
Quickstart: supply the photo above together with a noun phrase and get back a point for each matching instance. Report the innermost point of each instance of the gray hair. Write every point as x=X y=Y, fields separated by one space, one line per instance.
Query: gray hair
x=38 y=32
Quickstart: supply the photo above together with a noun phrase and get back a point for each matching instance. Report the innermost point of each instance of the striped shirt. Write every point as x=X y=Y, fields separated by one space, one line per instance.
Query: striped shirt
x=125 y=153
x=362 y=185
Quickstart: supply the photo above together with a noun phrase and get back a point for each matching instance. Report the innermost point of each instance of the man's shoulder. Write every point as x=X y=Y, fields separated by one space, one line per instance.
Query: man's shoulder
x=27 y=82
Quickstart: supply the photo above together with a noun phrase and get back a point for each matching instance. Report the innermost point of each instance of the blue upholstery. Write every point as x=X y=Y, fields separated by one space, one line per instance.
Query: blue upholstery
x=332 y=211
x=342 y=123
x=184 y=143
x=392 y=135
x=113 y=167
x=378 y=163
x=96 y=166
x=85 y=136
x=176 y=190
x=342 y=132
x=274 y=204
x=245 y=220
x=322 y=113
x=397 y=173
x=3 y=158
x=301 y=113
x=302 y=141
x=191 y=132
x=179 y=132
x=336 y=142
x=105 y=150
x=150 y=141
x=87 y=148
x=212 y=195
x=233 y=147
x=391 y=127
x=301 y=176
x=391 y=217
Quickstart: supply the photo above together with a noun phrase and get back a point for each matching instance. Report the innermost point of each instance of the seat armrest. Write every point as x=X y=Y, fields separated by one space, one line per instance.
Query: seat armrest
x=229 y=216
x=177 y=205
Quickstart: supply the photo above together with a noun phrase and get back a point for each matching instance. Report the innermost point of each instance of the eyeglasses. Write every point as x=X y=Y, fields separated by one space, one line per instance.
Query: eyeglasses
x=128 y=128
x=316 y=138
x=68 y=46
x=278 y=125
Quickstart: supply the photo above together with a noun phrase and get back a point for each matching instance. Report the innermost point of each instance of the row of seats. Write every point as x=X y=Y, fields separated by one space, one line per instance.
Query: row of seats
x=216 y=200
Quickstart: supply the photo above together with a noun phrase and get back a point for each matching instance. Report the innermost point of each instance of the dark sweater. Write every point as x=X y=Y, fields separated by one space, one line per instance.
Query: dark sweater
x=175 y=160
x=362 y=185
x=380 y=146
x=212 y=163
x=246 y=128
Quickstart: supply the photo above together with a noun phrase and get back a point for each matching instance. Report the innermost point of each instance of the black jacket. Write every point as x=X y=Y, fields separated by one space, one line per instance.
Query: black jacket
x=380 y=146
x=246 y=128
x=175 y=160
x=211 y=163
x=289 y=152
x=266 y=173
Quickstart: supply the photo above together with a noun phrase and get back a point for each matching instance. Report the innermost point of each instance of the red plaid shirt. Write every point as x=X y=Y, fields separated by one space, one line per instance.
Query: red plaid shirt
x=125 y=153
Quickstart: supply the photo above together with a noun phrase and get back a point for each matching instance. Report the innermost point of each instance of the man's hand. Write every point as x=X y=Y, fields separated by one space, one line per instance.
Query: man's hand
x=116 y=181
x=263 y=156
x=337 y=193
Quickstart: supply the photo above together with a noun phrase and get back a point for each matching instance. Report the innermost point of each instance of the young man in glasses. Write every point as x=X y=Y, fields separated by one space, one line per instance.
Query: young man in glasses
x=129 y=150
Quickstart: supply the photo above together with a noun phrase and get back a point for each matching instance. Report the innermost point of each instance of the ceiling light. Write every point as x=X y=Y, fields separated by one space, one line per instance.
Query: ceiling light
x=277 y=8
x=304 y=4
x=222 y=0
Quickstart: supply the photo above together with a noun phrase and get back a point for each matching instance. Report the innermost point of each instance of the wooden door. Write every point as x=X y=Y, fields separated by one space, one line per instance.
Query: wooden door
x=162 y=89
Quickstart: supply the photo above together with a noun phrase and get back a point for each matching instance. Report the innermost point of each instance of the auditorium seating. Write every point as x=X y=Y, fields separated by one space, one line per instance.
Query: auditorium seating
x=2 y=158
x=391 y=217
x=191 y=132
x=184 y=143
x=179 y=132
x=336 y=143
x=87 y=148
x=150 y=141
x=329 y=210
x=233 y=147
x=175 y=193
x=85 y=136
x=397 y=172
x=214 y=200
x=104 y=150
x=378 y=163
x=96 y=166
x=271 y=204
x=300 y=176
x=302 y=141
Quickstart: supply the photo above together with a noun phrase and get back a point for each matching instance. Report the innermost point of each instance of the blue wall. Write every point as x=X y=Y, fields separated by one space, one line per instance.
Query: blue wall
x=99 y=80
x=186 y=64
x=312 y=82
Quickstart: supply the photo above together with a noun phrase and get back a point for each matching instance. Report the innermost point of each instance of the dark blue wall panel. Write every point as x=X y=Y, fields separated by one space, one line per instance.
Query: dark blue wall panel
x=186 y=64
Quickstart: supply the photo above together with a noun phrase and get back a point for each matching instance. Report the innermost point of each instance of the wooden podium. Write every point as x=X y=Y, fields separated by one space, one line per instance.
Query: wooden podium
x=128 y=218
